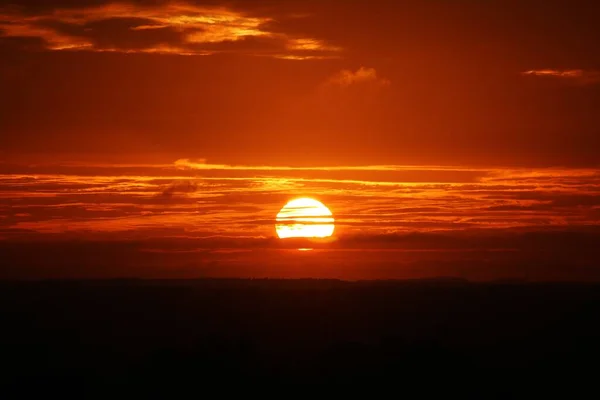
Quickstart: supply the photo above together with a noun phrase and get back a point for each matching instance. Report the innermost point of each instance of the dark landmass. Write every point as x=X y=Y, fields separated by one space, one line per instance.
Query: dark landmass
x=175 y=338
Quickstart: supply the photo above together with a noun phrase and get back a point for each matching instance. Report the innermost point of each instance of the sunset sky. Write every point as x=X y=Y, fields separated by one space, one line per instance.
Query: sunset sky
x=161 y=139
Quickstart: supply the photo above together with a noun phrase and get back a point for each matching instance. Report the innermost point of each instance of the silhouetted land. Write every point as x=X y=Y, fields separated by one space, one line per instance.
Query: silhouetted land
x=103 y=338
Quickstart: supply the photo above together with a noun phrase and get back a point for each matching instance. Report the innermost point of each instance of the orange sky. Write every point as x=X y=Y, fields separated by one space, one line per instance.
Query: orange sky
x=148 y=121
x=302 y=82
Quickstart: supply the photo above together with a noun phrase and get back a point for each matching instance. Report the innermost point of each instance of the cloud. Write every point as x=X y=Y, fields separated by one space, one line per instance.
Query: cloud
x=202 y=199
x=165 y=28
x=580 y=76
x=21 y=43
x=202 y=163
x=179 y=187
x=362 y=76
x=487 y=254
x=354 y=97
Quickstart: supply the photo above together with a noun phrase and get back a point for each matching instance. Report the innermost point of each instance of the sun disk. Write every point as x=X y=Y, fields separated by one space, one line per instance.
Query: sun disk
x=304 y=218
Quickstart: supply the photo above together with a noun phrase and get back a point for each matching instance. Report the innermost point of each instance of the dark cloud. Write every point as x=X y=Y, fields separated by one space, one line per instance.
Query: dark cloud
x=40 y=6
x=486 y=255
x=29 y=43
x=119 y=33
x=179 y=187
x=186 y=28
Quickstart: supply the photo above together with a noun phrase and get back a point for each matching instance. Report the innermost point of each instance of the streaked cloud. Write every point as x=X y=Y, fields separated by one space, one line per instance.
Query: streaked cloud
x=238 y=203
x=580 y=76
x=165 y=28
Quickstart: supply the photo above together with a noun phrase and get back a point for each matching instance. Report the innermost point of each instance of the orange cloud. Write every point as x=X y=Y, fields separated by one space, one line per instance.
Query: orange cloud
x=362 y=75
x=577 y=75
x=175 y=28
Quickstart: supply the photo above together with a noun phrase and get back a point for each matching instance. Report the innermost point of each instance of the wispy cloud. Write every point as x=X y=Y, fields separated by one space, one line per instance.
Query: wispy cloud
x=362 y=76
x=581 y=76
x=203 y=164
x=167 y=28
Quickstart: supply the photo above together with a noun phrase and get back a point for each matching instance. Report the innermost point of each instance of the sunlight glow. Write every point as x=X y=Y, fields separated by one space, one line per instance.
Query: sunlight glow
x=304 y=217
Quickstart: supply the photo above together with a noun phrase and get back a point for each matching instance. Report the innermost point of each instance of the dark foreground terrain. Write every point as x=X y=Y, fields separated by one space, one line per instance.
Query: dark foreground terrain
x=180 y=338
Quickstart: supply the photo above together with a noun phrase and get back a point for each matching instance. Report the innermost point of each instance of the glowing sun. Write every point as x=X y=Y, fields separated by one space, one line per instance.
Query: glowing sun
x=304 y=217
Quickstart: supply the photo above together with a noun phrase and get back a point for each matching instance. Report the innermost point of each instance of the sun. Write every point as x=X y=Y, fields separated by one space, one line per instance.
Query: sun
x=304 y=218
